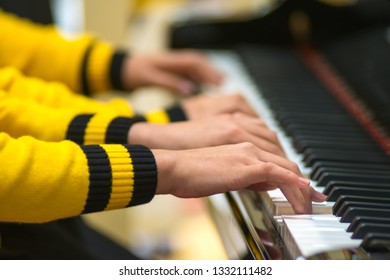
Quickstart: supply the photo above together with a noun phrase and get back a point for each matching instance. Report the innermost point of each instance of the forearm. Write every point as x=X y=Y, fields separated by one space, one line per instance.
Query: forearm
x=84 y=64
x=46 y=181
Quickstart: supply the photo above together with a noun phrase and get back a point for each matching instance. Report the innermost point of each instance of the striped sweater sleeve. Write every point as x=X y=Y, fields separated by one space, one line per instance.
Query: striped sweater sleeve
x=84 y=63
x=41 y=51
x=19 y=117
x=108 y=128
x=44 y=181
x=56 y=95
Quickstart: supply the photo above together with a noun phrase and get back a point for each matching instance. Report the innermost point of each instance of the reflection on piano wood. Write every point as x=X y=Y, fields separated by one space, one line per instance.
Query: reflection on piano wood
x=343 y=147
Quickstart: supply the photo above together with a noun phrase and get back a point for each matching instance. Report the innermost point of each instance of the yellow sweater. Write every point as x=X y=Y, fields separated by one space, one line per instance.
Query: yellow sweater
x=44 y=176
x=50 y=111
x=42 y=181
x=84 y=64
x=55 y=178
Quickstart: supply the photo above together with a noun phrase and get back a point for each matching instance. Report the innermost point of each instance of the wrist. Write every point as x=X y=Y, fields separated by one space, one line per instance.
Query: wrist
x=189 y=108
x=141 y=133
x=165 y=161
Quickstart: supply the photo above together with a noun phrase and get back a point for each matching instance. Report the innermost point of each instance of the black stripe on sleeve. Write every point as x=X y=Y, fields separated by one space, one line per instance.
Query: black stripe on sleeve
x=118 y=129
x=100 y=179
x=176 y=114
x=116 y=70
x=145 y=174
x=77 y=127
x=84 y=70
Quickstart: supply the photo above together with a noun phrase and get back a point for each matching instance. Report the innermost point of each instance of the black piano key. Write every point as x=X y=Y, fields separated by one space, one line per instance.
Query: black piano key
x=327 y=177
x=299 y=127
x=350 y=198
x=351 y=204
x=358 y=220
x=340 y=145
x=336 y=192
x=356 y=165
x=300 y=135
x=363 y=229
x=316 y=118
x=294 y=106
x=353 y=212
x=322 y=171
x=315 y=155
x=349 y=184
x=300 y=143
x=376 y=242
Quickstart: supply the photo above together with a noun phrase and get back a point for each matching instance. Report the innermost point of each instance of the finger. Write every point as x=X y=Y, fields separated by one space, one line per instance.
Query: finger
x=296 y=189
x=193 y=65
x=302 y=204
x=289 y=183
x=265 y=156
x=262 y=187
x=247 y=120
x=317 y=196
x=261 y=143
x=257 y=127
x=173 y=82
x=297 y=193
x=237 y=103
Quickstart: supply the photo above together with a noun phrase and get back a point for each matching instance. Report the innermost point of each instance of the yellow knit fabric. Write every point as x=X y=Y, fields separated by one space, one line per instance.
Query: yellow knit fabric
x=157 y=116
x=96 y=128
x=55 y=94
x=41 y=181
x=41 y=51
x=98 y=68
x=123 y=177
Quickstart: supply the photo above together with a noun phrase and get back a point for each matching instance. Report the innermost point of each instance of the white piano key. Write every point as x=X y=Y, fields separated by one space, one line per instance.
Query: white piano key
x=314 y=234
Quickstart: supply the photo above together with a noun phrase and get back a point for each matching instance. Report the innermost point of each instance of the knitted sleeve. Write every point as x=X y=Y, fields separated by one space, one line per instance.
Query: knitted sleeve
x=42 y=181
x=19 y=117
x=55 y=95
x=30 y=105
x=83 y=63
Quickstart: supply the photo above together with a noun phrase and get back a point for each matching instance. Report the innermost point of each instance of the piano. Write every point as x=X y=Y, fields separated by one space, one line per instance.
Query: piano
x=328 y=99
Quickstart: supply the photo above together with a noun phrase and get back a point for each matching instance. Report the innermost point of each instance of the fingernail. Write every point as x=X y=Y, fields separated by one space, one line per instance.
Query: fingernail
x=303 y=182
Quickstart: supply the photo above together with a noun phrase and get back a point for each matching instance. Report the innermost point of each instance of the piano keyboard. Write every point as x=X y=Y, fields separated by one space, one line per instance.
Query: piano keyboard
x=339 y=156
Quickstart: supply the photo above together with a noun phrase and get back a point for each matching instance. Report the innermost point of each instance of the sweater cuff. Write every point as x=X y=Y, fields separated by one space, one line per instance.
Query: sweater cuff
x=176 y=114
x=116 y=67
x=100 y=129
x=120 y=176
x=145 y=174
x=173 y=114
x=95 y=70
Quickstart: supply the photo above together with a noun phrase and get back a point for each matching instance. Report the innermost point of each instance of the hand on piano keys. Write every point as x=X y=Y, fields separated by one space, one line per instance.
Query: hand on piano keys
x=329 y=148
x=233 y=167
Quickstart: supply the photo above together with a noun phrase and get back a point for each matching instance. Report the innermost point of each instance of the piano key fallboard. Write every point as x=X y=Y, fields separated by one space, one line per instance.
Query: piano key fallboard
x=339 y=142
